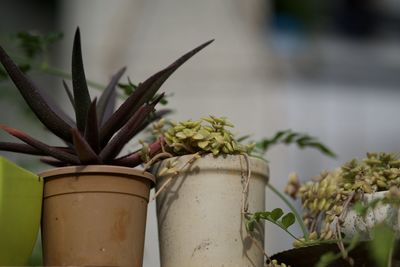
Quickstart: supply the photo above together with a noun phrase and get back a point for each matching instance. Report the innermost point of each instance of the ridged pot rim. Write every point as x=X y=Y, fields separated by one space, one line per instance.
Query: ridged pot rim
x=96 y=169
x=221 y=162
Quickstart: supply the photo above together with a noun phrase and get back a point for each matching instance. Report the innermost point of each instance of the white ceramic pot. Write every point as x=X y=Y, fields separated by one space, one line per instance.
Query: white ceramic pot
x=199 y=214
x=363 y=224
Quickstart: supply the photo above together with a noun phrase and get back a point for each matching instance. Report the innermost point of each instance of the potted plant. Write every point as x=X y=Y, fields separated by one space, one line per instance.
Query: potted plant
x=355 y=197
x=350 y=215
x=208 y=187
x=203 y=191
x=20 y=209
x=94 y=203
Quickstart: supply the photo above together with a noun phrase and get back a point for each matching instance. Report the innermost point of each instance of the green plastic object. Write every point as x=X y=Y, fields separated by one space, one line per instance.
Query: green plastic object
x=20 y=210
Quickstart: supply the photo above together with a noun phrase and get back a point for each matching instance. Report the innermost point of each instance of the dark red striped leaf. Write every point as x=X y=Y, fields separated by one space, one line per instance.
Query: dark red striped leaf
x=81 y=92
x=112 y=149
x=106 y=104
x=134 y=159
x=91 y=128
x=85 y=153
x=144 y=93
x=35 y=99
x=69 y=94
x=57 y=153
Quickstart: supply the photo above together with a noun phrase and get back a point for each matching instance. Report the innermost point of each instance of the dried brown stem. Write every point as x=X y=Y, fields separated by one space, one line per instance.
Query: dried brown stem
x=189 y=162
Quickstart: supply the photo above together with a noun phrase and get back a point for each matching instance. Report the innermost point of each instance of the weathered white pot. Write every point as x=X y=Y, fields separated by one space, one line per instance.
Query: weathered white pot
x=199 y=213
x=363 y=224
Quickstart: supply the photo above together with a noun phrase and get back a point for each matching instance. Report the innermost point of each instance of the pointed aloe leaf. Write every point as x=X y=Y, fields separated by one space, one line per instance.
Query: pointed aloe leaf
x=35 y=99
x=69 y=94
x=53 y=162
x=64 y=116
x=20 y=148
x=159 y=114
x=83 y=150
x=105 y=106
x=144 y=93
x=91 y=128
x=46 y=149
x=155 y=116
x=129 y=130
x=134 y=159
x=79 y=85
x=27 y=149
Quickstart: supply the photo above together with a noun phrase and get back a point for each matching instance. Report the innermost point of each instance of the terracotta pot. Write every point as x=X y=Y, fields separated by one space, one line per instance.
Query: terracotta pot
x=199 y=214
x=94 y=216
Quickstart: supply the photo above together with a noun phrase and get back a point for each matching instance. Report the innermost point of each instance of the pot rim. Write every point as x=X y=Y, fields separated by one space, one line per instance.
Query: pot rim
x=259 y=166
x=95 y=169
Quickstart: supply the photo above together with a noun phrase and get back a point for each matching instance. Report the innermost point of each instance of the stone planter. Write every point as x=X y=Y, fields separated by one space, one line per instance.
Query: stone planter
x=363 y=224
x=199 y=214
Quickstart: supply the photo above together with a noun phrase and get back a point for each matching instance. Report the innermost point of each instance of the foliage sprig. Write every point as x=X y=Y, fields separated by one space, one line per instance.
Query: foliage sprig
x=288 y=137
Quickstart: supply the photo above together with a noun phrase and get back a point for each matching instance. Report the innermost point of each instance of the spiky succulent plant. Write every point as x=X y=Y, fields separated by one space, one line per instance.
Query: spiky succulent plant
x=98 y=134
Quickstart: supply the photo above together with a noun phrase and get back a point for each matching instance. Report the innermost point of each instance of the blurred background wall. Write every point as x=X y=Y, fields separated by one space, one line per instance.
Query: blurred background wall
x=328 y=68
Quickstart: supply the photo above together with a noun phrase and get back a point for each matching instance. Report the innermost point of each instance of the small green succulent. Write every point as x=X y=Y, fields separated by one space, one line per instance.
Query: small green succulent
x=209 y=135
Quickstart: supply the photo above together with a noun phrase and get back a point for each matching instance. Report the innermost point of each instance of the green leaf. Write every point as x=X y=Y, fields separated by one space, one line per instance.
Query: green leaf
x=128 y=88
x=30 y=44
x=359 y=208
x=382 y=244
x=242 y=138
x=288 y=220
x=276 y=214
x=289 y=137
x=326 y=259
x=52 y=37
x=250 y=225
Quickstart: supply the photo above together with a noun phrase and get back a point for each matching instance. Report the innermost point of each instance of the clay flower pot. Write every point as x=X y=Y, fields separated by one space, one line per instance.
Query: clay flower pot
x=94 y=215
x=199 y=214
x=20 y=209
